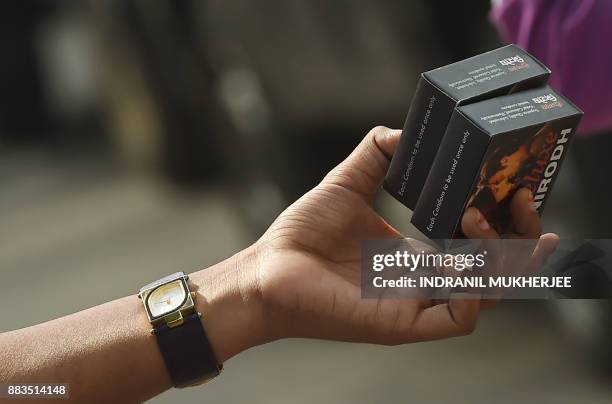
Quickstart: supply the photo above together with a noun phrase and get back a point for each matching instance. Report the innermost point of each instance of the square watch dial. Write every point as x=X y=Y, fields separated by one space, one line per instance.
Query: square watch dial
x=166 y=298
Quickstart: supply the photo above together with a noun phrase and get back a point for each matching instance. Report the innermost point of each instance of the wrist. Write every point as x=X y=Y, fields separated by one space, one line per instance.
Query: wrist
x=227 y=295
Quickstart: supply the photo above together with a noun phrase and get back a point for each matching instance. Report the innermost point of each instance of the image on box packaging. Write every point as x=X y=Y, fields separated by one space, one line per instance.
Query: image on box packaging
x=524 y=159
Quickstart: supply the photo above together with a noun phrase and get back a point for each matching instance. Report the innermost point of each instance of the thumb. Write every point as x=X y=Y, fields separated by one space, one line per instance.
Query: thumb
x=364 y=169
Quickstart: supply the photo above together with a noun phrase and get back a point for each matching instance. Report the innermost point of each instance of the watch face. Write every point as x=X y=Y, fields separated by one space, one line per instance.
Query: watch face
x=166 y=298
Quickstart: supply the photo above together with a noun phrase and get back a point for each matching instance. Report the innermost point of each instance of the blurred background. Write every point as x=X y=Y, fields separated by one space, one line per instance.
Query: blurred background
x=139 y=138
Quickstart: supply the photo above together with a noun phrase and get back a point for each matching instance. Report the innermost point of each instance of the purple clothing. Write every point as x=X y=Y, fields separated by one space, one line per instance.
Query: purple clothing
x=574 y=39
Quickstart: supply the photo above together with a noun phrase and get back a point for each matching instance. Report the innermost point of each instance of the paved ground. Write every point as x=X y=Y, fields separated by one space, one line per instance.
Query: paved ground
x=70 y=239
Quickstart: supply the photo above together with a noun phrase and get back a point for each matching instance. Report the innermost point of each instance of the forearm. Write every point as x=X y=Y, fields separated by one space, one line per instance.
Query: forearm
x=103 y=353
x=107 y=353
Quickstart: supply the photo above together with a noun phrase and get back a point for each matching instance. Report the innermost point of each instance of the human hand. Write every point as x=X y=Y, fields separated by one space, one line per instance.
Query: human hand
x=310 y=276
x=304 y=272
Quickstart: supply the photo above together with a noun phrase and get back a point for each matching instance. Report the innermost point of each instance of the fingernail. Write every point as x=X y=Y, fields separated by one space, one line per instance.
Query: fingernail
x=530 y=202
x=551 y=247
x=481 y=221
x=391 y=133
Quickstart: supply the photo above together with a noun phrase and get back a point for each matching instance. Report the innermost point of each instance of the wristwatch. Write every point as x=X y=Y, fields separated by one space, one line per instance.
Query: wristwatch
x=178 y=328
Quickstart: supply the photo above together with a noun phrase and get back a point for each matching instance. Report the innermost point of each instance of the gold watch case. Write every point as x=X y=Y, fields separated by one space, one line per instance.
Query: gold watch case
x=168 y=300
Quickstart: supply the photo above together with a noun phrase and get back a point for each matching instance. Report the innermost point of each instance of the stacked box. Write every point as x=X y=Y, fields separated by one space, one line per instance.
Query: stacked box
x=490 y=150
x=498 y=72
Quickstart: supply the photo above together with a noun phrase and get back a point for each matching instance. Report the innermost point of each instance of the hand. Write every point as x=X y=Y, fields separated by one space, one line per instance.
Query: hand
x=303 y=275
x=310 y=274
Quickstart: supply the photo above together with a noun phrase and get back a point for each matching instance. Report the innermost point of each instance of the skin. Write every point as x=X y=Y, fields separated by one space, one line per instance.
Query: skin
x=300 y=279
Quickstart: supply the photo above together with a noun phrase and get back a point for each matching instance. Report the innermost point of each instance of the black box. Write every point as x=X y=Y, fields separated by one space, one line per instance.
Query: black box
x=439 y=91
x=491 y=149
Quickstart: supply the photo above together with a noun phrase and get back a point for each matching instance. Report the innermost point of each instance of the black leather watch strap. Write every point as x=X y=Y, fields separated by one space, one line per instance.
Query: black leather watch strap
x=187 y=352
